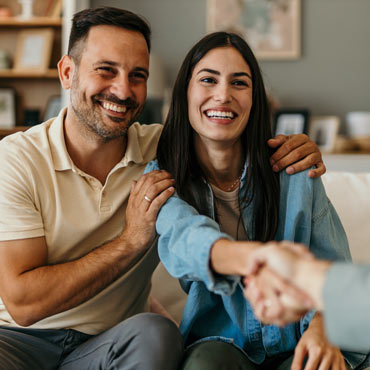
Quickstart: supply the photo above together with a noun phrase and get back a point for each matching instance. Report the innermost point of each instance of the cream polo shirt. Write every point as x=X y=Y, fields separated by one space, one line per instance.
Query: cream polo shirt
x=42 y=193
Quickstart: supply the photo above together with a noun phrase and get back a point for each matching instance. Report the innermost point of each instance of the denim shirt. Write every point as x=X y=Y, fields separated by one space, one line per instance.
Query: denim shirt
x=215 y=307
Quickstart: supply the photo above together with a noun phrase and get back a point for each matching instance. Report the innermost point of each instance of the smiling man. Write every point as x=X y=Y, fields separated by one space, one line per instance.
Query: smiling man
x=76 y=252
x=77 y=218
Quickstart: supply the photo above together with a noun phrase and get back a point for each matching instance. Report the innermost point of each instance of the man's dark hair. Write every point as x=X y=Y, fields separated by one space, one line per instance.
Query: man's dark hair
x=103 y=16
x=177 y=155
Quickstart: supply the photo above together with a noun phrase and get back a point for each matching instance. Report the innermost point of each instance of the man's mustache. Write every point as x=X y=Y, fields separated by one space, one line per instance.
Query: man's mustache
x=129 y=103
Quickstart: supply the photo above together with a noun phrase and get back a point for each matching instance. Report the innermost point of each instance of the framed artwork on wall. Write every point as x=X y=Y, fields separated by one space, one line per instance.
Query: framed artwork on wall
x=323 y=131
x=271 y=28
x=290 y=121
x=33 y=50
x=7 y=108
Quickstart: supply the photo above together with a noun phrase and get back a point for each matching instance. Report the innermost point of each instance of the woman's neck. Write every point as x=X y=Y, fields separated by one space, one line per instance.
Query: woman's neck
x=222 y=165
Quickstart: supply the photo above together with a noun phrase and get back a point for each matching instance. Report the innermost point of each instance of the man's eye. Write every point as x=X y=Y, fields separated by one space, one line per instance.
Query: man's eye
x=139 y=76
x=105 y=69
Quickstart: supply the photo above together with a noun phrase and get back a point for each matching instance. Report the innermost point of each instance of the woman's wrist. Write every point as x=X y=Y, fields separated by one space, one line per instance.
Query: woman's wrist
x=230 y=257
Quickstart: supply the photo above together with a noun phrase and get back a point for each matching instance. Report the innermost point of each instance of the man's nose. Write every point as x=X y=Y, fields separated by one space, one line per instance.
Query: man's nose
x=121 y=87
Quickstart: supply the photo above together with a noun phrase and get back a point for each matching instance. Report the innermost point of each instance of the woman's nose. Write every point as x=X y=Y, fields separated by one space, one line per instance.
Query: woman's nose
x=222 y=93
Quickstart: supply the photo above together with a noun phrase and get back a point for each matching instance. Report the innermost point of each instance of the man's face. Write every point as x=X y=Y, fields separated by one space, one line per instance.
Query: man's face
x=108 y=89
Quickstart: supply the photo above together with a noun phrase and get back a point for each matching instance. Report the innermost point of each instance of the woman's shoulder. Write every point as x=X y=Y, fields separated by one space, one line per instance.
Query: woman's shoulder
x=152 y=166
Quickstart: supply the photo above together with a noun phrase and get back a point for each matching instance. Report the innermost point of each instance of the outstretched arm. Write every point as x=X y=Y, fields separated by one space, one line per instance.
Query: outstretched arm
x=296 y=153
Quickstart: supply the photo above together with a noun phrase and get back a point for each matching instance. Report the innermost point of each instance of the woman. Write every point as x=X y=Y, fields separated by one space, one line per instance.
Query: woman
x=214 y=145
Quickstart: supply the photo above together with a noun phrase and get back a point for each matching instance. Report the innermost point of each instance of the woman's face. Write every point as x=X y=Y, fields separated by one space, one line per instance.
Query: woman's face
x=220 y=96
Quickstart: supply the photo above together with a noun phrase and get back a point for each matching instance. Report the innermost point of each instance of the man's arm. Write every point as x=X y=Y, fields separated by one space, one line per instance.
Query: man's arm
x=32 y=290
x=296 y=153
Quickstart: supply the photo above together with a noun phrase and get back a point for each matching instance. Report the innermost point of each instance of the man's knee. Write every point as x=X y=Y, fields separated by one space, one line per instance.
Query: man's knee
x=150 y=325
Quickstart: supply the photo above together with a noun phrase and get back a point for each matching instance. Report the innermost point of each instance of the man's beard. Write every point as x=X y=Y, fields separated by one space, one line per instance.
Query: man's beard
x=91 y=116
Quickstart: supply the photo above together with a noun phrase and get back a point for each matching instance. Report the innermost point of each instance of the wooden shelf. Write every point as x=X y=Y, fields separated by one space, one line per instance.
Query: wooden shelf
x=12 y=73
x=7 y=131
x=32 y=22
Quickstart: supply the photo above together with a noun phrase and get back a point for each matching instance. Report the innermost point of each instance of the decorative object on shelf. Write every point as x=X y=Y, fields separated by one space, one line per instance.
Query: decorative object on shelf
x=323 y=131
x=4 y=59
x=27 y=6
x=7 y=108
x=53 y=106
x=31 y=117
x=34 y=50
x=53 y=8
x=5 y=12
x=272 y=28
x=358 y=129
x=290 y=121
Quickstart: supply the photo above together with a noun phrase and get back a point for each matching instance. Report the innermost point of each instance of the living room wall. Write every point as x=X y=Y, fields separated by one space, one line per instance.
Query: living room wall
x=331 y=77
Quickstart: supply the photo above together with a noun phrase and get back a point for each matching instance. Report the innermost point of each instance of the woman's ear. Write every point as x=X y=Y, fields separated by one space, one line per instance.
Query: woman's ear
x=66 y=68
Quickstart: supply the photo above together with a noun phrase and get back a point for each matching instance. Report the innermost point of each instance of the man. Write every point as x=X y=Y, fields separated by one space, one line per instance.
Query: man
x=77 y=219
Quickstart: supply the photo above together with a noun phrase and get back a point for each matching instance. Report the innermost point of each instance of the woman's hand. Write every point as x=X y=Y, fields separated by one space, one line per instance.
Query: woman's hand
x=297 y=153
x=319 y=352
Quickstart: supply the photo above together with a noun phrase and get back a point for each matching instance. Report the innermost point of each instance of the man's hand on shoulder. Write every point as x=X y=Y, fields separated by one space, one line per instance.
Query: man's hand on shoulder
x=296 y=153
x=147 y=196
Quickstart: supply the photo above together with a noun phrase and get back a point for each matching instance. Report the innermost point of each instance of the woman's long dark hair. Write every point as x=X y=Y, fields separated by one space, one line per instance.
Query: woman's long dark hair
x=176 y=152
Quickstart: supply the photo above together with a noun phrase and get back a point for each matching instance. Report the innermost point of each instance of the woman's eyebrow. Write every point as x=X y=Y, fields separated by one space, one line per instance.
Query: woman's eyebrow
x=213 y=71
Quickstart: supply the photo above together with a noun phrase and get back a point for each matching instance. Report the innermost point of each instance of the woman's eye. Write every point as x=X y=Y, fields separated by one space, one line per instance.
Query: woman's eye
x=240 y=83
x=208 y=80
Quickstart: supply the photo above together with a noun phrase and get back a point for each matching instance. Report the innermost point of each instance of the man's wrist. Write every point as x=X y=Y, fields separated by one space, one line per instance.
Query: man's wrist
x=310 y=278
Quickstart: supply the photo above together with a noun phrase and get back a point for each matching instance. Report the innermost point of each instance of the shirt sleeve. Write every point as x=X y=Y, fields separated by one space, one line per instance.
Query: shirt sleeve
x=19 y=216
x=347 y=306
x=185 y=241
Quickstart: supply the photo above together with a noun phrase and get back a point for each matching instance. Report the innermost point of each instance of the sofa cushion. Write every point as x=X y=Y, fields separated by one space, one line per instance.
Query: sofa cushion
x=349 y=192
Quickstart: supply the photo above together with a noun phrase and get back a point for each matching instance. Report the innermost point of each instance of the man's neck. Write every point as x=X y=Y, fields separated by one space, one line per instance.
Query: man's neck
x=91 y=154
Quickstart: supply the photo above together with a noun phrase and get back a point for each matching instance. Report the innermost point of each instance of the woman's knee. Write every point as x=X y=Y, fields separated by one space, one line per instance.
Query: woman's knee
x=216 y=355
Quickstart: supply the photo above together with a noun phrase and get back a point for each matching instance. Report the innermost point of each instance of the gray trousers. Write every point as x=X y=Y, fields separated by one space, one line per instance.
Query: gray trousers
x=145 y=341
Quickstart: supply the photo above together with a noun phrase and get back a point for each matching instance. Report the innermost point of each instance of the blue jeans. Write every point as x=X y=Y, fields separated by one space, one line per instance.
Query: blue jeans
x=143 y=342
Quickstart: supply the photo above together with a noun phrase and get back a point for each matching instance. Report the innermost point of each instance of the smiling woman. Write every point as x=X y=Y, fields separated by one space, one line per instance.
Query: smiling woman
x=214 y=144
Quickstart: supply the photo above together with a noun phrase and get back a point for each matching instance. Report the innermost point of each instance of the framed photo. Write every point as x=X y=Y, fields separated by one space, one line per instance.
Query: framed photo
x=272 y=28
x=323 y=131
x=53 y=106
x=291 y=121
x=33 y=50
x=7 y=108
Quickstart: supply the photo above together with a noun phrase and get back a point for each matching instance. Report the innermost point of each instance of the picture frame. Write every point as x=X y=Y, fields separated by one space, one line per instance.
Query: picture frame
x=53 y=106
x=290 y=121
x=323 y=130
x=33 y=50
x=271 y=28
x=7 y=108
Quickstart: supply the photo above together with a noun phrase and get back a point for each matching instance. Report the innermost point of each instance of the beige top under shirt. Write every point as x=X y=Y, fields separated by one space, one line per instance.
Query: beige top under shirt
x=228 y=213
x=42 y=193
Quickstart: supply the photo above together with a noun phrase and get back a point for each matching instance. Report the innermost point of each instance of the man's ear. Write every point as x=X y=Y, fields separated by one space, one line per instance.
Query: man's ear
x=66 y=68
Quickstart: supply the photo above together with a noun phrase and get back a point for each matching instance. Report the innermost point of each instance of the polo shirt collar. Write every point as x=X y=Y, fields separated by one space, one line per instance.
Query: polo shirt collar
x=62 y=160
x=133 y=152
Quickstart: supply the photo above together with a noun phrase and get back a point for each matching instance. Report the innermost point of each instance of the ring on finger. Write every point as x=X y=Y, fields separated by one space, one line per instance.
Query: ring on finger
x=148 y=199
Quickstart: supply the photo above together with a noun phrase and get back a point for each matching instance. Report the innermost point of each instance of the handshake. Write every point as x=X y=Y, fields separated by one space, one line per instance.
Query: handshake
x=284 y=281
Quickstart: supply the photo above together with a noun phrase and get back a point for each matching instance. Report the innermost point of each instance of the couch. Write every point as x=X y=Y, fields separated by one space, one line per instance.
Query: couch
x=350 y=194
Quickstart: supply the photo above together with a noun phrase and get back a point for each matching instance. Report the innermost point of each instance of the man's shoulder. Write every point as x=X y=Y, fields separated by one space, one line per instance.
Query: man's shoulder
x=145 y=138
x=24 y=142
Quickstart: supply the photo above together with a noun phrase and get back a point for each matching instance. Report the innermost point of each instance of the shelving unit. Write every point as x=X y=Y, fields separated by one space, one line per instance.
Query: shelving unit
x=33 y=89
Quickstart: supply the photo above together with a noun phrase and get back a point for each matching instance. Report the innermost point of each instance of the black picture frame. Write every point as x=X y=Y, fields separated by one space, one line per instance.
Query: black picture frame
x=291 y=121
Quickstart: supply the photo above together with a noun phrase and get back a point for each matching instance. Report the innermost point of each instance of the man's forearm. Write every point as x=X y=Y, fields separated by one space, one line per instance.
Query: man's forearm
x=60 y=287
